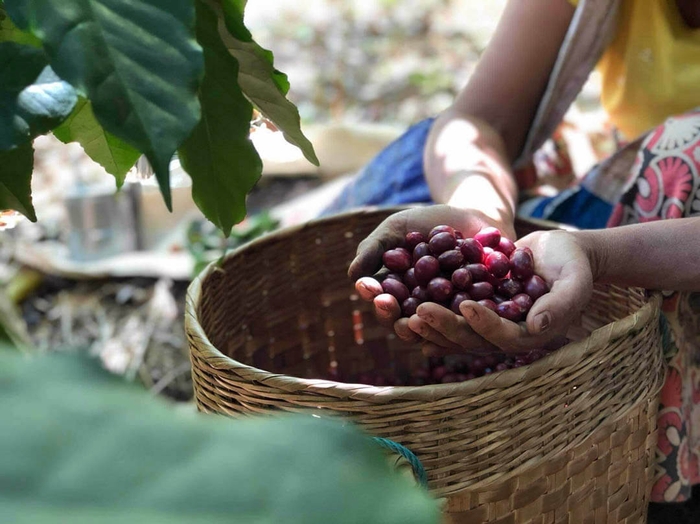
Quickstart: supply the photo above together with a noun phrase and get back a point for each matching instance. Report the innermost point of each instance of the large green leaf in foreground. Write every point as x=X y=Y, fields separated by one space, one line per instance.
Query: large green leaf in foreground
x=81 y=446
x=33 y=100
x=113 y=154
x=16 y=179
x=10 y=33
x=218 y=155
x=135 y=60
x=261 y=83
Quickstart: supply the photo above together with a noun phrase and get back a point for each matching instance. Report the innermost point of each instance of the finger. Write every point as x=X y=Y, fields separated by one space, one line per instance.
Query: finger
x=368 y=258
x=433 y=350
x=368 y=288
x=429 y=334
x=553 y=312
x=404 y=332
x=556 y=343
x=386 y=309
x=454 y=328
x=507 y=335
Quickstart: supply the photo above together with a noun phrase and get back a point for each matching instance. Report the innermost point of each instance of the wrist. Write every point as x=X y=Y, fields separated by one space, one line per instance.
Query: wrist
x=475 y=190
x=595 y=250
x=470 y=220
x=466 y=167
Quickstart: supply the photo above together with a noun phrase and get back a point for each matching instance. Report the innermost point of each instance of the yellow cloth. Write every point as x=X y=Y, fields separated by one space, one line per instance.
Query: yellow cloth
x=651 y=70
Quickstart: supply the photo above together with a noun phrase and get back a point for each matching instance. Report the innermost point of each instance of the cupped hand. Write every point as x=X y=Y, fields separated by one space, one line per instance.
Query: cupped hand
x=565 y=265
x=392 y=232
x=438 y=329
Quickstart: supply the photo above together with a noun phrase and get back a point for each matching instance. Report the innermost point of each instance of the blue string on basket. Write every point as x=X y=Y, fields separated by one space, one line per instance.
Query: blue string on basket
x=418 y=469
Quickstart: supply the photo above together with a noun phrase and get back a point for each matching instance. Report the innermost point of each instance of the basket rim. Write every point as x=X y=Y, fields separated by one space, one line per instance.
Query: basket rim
x=567 y=356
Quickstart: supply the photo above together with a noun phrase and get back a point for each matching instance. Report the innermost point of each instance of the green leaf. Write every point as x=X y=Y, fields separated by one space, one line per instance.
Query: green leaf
x=15 y=180
x=238 y=8
x=219 y=155
x=135 y=60
x=241 y=4
x=236 y=19
x=81 y=446
x=261 y=83
x=10 y=33
x=236 y=11
x=13 y=329
x=33 y=100
x=116 y=156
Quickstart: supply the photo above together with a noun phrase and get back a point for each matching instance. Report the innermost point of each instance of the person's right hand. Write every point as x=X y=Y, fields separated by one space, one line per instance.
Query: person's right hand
x=446 y=332
x=565 y=261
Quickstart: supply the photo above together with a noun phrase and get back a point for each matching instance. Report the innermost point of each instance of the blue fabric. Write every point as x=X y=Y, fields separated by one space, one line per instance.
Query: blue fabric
x=576 y=206
x=395 y=177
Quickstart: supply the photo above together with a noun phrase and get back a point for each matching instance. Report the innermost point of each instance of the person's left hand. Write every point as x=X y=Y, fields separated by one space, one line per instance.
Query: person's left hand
x=564 y=264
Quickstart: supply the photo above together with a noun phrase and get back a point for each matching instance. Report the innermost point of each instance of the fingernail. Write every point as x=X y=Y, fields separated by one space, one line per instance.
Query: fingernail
x=470 y=313
x=425 y=316
x=542 y=322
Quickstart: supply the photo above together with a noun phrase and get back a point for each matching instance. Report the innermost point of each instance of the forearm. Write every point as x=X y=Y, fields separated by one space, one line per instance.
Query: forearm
x=466 y=166
x=473 y=144
x=658 y=255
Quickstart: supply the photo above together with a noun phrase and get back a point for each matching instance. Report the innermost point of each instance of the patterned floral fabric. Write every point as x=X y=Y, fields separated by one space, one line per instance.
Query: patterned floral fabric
x=666 y=185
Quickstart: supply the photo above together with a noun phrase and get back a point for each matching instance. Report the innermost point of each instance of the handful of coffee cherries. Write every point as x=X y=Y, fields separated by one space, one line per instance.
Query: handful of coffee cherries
x=447 y=269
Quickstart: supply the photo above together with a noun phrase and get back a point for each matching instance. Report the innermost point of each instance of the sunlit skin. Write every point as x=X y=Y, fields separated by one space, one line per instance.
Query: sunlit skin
x=569 y=262
x=470 y=150
x=468 y=163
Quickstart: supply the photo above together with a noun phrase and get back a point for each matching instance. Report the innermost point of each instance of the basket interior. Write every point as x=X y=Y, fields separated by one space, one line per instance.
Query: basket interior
x=284 y=304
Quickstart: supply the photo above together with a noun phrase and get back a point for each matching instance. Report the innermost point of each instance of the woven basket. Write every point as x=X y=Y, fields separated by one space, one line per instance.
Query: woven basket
x=569 y=438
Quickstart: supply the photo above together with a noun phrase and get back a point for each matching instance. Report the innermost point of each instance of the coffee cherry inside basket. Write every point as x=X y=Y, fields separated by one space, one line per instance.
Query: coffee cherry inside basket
x=445 y=267
x=445 y=370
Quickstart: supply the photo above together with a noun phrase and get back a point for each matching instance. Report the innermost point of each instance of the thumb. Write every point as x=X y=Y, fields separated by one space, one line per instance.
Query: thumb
x=554 y=311
x=368 y=259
